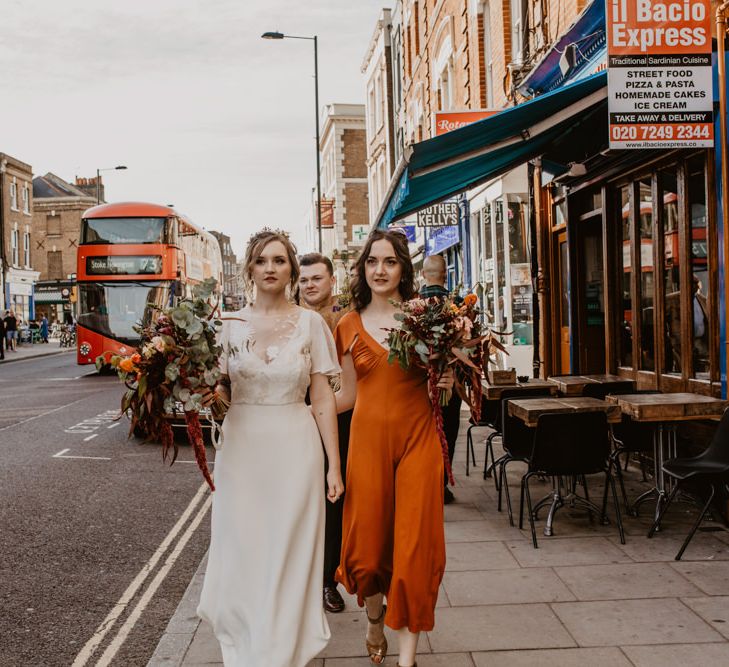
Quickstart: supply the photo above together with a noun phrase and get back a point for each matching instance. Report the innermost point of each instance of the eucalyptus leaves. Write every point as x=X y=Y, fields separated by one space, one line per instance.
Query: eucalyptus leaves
x=177 y=364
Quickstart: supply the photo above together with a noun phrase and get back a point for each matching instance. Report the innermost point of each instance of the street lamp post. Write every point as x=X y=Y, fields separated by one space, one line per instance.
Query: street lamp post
x=280 y=35
x=98 y=179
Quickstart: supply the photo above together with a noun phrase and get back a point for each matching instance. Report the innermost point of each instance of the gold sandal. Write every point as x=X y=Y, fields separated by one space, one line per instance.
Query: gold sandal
x=377 y=652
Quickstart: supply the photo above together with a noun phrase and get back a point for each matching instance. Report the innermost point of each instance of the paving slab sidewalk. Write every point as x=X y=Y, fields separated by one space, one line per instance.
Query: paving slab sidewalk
x=581 y=598
x=35 y=351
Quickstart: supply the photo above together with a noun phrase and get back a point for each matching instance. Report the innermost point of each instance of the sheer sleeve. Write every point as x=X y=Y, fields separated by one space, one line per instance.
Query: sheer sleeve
x=323 y=349
x=223 y=339
x=344 y=335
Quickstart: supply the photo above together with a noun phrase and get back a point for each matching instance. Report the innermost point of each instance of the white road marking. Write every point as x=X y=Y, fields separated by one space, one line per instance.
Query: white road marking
x=91 y=437
x=92 y=458
x=61 y=453
x=43 y=414
x=114 y=425
x=118 y=609
x=136 y=613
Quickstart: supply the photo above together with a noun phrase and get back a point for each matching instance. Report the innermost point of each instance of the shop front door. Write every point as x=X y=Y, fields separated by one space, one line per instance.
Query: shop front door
x=563 y=314
x=590 y=289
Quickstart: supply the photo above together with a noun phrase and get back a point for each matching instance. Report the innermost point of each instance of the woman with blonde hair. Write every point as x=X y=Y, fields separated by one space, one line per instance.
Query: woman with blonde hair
x=262 y=590
x=392 y=538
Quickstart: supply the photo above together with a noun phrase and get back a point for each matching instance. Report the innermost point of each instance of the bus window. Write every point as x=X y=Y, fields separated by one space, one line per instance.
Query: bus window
x=123 y=230
x=114 y=309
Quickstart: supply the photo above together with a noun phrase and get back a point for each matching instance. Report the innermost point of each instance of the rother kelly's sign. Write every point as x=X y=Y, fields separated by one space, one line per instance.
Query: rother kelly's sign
x=444 y=214
x=659 y=73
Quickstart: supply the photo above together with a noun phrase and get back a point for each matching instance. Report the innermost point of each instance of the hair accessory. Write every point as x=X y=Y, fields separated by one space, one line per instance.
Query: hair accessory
x=264 y=231
x=398 y=230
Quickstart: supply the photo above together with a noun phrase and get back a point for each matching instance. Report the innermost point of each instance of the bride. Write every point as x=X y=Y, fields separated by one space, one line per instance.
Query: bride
x=262 y=590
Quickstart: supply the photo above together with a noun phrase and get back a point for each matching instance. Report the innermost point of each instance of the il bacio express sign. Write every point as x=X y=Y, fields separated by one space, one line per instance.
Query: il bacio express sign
x=659 y=74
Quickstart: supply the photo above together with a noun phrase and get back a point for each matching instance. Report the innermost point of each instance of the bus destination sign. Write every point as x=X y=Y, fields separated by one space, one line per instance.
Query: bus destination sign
x=131 y=265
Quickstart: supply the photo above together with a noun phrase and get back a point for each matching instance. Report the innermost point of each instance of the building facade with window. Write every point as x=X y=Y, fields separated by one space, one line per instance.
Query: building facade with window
x=16 y=217
x=58 y=207
x=345 y=211
x=232 y=292
x=598 y=260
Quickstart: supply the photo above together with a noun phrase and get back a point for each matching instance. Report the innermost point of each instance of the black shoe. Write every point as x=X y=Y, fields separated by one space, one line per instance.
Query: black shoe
x=448 y=496
x=333 y=602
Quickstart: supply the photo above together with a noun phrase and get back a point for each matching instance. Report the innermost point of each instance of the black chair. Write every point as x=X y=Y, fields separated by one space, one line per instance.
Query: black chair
x=536 y=392
x=602 y=389
x=706 y=471
x=517 y=439
x=632 y=437
x=489 y=408
x=570 y=445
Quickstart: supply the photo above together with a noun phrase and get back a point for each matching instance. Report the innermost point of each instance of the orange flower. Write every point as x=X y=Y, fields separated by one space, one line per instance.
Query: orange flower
x=136 y=358
x=127 y=365
x=470 y=299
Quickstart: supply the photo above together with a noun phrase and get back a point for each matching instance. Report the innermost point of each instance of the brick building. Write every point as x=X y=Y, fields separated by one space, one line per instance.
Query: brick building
x=57 y=212
x=345 y=215
x=232 y=293
x=16 y=217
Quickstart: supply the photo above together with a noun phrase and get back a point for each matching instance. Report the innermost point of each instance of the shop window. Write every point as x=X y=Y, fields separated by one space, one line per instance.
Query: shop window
x=488 y=272
x=626 y=309
x=647 y=282
x=671 y=272
x=699 y=260
x=500 y=286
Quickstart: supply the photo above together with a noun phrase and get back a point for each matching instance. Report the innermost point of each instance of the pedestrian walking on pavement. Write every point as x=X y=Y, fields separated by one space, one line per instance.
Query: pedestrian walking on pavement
x=2 y=338
x=44 y=329
x=315 y=291
x=393 y=542
x=11 y=330
x=434 y=276
x=263 y=584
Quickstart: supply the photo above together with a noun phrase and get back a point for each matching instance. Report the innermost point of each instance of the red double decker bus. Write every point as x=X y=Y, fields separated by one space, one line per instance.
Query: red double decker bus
x=135 y=258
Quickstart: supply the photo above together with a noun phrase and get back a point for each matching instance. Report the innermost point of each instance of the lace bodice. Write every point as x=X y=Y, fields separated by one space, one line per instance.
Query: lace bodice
x=270 y=360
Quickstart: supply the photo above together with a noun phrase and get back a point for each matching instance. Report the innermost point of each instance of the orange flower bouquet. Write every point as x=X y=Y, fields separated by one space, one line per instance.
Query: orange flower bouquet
x=436 y=333
x=177 y=365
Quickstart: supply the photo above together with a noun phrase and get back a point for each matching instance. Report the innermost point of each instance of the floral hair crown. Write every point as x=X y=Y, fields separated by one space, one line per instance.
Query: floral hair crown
x=267 y=231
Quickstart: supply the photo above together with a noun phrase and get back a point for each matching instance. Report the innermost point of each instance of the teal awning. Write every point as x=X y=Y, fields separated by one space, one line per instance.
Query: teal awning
x=444 y=166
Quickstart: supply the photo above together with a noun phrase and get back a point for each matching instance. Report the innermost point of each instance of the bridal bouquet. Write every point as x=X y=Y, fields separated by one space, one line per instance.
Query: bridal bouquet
x=436 y=333
x=176 y=364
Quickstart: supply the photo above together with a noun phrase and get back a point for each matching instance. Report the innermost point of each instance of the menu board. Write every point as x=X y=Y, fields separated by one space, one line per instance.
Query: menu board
x=659 y=74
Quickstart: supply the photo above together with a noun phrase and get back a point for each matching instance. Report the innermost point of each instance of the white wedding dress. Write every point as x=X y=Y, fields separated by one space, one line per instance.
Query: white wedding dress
x=263 y=586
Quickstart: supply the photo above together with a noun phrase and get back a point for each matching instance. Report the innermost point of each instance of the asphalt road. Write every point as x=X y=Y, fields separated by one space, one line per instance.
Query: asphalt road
x=83 y=514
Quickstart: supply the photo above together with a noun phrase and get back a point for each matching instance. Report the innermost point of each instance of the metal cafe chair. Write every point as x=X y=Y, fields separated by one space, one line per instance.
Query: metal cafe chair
x=572 y=446
x=707 y=471
x=536 y=392
x=489 y=409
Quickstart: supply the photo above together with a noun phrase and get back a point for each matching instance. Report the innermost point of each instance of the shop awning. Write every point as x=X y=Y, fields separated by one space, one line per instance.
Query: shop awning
x=446 y=165
x=50 y=297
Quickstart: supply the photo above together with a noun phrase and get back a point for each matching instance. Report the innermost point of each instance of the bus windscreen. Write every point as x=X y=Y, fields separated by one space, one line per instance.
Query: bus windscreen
x=122 y=230
x=114 y=309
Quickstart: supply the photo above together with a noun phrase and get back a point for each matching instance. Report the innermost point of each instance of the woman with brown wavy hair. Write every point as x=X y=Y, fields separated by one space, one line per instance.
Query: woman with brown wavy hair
x=392 y=537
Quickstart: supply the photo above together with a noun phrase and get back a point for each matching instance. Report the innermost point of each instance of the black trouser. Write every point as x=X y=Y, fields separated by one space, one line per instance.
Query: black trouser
x=451 y=423
x=333 y=531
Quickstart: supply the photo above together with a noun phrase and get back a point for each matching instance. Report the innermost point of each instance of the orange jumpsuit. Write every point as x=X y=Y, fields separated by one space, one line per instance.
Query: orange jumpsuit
x=392 y=535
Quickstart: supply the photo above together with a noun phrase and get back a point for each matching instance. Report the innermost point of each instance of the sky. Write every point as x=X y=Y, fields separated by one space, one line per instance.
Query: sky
x=205 y=114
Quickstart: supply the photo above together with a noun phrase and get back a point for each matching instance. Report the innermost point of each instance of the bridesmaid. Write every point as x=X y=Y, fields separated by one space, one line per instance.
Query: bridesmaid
x=393 y=543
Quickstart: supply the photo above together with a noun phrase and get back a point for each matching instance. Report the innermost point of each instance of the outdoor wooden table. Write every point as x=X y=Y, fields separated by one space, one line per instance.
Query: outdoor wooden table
x=665 y=410
x=530 y=409
x=574 y=385
x=493 y=392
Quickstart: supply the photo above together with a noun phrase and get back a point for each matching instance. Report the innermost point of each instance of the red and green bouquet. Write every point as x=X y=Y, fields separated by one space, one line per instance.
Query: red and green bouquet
x=175 y=370
x=436 y=333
